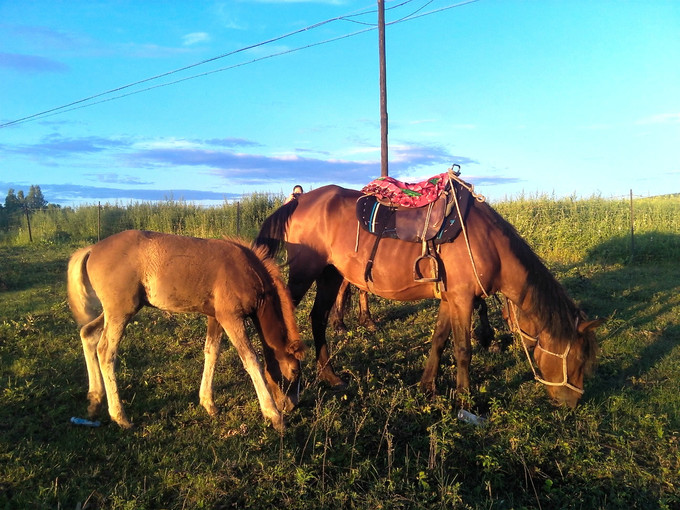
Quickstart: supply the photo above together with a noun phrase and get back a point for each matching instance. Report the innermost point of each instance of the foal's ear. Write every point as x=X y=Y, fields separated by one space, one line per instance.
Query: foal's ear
x=297 y=349
x=590 y=325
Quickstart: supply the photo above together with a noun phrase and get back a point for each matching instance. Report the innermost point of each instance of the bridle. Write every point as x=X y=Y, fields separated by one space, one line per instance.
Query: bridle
x=513 y=321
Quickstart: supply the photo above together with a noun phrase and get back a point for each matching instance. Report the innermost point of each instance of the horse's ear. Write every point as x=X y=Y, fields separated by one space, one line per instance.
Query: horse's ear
x=297 y=349
x=590 y=325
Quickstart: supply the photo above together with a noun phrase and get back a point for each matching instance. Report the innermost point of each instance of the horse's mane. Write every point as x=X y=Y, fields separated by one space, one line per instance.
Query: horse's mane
x=549 y=303
x=287 y=307
x=273 y=229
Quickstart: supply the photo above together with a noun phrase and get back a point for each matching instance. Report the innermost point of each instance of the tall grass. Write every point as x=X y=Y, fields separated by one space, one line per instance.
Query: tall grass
x=567 y=230
x=87 y=223
x=563 y=230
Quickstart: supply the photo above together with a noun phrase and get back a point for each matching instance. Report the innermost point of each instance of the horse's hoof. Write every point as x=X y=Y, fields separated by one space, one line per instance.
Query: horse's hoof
x=370 y=326
x=330 y=378
x=340 y=329
x=428 y=388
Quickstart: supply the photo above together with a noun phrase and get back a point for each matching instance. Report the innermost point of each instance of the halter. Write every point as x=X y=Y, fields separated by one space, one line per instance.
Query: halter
x=514 y=325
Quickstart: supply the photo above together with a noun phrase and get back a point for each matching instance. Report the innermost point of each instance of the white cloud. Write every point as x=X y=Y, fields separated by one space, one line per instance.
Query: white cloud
x=662 y=118
x=195 y=38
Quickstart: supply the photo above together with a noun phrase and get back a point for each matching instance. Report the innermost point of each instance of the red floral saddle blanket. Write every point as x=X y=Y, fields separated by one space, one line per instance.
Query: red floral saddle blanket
x=406 y=194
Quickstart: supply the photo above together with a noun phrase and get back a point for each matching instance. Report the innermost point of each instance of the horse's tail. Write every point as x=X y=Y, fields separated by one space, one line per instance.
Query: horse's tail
x=273 y=230
x=82 y=298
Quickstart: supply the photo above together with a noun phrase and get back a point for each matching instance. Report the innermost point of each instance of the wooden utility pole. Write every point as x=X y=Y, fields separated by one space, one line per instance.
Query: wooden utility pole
x=383 y=89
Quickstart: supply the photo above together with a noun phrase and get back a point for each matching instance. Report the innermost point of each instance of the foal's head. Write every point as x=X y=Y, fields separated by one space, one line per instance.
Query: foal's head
x=282 y=348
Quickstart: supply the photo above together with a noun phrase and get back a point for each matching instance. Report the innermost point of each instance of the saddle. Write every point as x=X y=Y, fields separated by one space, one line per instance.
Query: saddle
x=386 y=210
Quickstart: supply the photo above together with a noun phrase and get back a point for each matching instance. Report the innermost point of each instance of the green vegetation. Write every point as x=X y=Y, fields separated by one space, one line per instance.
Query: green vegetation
x=381 y=444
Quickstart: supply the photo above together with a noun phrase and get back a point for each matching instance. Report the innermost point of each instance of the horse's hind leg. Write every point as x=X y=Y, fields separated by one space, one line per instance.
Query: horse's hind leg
x=365 y=318
x=337 y=315
x=213 y=342
x=327 y=286
x=90 y=334
x=107 y=350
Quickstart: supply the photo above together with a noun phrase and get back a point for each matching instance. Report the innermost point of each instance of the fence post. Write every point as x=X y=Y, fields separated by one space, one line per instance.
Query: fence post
x=238 y=219
x=632 y=228
x=28 y=222
x=99 y=221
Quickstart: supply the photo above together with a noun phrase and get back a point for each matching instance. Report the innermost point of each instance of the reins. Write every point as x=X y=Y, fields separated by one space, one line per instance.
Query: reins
x=513 y=320
x=453 y=175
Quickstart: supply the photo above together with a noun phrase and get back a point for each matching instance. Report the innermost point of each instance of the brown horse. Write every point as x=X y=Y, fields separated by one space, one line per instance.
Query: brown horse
x=222 y=279
x=324 y=244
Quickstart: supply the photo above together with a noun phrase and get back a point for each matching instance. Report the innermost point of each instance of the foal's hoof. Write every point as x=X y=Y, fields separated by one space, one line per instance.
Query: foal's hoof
x=210 y=408
x=278 y=423
x=123 y=422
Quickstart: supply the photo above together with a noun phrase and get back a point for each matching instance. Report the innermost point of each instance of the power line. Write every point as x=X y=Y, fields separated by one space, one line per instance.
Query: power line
x=88 y=101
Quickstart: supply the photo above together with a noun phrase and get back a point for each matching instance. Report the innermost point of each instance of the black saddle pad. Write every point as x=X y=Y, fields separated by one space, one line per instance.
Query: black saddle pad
x=383 y=220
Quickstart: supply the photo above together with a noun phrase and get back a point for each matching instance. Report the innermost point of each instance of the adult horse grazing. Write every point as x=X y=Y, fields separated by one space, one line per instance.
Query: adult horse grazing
x=324 y=244
x=223 y=279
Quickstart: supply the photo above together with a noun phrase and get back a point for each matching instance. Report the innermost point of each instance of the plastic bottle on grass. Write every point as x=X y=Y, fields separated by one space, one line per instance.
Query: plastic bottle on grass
x=469 y=417
x=84 y=422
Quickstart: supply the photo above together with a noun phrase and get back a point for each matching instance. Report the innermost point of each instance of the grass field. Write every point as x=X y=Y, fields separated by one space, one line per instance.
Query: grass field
x=380 y=444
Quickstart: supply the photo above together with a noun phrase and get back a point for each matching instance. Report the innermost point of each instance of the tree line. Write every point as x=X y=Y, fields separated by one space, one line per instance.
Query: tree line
x=19 y=205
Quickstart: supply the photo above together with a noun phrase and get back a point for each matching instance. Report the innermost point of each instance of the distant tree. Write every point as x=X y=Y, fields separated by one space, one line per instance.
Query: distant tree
x=13 y=202
x=35 y=198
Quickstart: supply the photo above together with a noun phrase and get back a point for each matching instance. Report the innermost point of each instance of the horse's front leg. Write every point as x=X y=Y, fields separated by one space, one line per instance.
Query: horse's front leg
x=484 y=333
x=460 y=312
x=213 y=341
x=327 y=286
x=236 y=331
x=439 y=340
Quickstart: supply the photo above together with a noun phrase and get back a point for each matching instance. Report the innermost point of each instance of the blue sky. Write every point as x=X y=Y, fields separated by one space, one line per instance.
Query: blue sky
x=555 y=97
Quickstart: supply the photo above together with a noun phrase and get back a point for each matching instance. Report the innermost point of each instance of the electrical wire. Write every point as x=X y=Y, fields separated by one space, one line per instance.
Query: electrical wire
x=89 y=101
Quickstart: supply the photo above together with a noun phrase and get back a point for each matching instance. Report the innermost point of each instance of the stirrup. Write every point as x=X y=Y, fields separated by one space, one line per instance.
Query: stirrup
x=434 y=265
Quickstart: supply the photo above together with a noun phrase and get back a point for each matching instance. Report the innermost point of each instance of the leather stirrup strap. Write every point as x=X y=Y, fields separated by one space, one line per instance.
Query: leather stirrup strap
x=380 y=230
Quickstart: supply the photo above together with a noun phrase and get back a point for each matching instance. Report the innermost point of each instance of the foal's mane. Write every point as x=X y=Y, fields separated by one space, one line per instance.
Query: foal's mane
x=549 y=302
x=287 y=307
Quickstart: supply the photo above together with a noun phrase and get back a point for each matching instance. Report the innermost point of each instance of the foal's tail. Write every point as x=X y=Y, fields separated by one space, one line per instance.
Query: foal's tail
x=273 y=230
x=81 y=296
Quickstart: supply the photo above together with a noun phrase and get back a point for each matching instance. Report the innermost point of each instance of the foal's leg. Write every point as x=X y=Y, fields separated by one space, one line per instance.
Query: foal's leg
x=327 y=286
x=213 y=341
x=107 y=350
x=90 y=334
x=236 y=331
x=440 y=338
